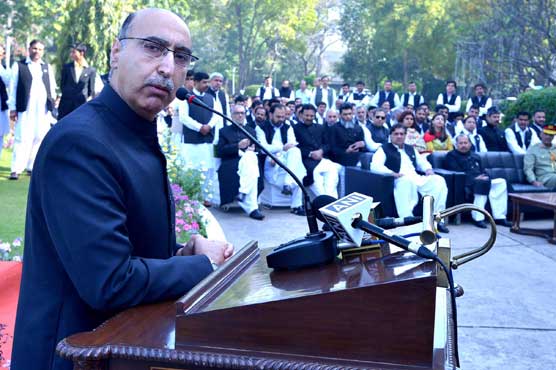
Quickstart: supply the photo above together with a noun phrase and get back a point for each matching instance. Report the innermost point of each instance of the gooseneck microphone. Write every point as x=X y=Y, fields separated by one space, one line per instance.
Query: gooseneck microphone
x=317 y=247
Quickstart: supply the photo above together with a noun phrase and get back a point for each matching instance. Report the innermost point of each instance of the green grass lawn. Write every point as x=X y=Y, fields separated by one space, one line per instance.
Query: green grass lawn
x=13 y=203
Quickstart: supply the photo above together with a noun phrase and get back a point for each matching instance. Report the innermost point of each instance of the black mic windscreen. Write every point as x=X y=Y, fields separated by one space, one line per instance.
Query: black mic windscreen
x=321 y=201
x=182 y=93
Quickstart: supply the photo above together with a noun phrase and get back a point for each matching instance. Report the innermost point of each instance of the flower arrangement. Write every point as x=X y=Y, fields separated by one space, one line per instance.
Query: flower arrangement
x=10 y=251
x=186 y=184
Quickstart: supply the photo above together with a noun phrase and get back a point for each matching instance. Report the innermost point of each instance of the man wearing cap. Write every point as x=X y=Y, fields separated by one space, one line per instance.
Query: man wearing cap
x=478 y=186
x=539 y=164
x=494 y=137
x=78 y=81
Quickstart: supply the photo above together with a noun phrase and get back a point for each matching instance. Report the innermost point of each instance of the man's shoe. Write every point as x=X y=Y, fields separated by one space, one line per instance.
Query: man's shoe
x=480 y=224
x=287 y=190
x=503 y=222
x=207 y=203
x=241 y=197
x=257 y=215
x=442 y=228
x=13 y=176
x=299 y=211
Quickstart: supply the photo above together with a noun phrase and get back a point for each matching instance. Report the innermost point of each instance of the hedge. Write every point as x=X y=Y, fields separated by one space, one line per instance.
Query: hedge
x=530 y=101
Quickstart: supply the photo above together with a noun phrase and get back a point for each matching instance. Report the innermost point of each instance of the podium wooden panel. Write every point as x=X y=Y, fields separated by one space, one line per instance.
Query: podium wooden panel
x=365 y=313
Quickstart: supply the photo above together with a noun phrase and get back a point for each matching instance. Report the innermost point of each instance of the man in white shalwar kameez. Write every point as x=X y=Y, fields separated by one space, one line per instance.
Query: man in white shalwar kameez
x=198 y=134
x=32 y=93
x=402 y=161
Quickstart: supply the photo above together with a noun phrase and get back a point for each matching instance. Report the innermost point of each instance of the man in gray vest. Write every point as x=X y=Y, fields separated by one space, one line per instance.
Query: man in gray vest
x=32 y=95
x=402 y=161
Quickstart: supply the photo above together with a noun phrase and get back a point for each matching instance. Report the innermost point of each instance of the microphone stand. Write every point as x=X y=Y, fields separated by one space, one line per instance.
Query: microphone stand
x=310 y=213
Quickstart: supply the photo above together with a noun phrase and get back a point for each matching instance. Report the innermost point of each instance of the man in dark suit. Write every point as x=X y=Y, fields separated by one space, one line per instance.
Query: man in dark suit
x=495 y=139
x=322 y=173
x=77 y=81
x=347 y=139
x=238 y=173
x=478 y=185
x=100 y=233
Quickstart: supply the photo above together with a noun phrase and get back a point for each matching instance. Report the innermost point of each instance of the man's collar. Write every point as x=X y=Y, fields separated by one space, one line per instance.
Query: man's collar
x=123 y=112
x=29 y=61
x=197 y=92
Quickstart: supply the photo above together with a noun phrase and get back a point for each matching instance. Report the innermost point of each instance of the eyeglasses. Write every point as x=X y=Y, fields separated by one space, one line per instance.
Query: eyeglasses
x=380 y=117
x=238 y=113
x=155 y=49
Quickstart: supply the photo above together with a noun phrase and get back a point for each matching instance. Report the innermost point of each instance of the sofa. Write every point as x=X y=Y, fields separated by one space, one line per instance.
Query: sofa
x=381 y=187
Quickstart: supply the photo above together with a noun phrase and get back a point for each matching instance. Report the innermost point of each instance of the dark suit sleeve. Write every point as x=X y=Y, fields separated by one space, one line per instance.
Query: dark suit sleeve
x=336 y=141
x=302 y=140
x=84 y=208
x=64 y=77
x=91 y=83
x=225 y=148
x=451 y=163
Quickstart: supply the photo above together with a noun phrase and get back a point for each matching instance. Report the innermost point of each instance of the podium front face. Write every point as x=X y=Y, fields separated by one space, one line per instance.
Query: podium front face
x=377 y=313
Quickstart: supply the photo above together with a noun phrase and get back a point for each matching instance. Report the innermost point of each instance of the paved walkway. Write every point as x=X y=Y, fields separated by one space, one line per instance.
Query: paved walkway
x=507 y=316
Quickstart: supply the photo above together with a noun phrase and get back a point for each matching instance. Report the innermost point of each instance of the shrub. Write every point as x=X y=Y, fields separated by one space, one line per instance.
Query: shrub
x=251 y=90
x=530 y=101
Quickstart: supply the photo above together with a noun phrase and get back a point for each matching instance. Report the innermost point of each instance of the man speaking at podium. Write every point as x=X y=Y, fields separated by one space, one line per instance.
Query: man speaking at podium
x=100 y=232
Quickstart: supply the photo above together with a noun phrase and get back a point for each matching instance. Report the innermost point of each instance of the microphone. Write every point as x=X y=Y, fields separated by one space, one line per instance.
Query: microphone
x=391 y=222
x=347 y=216
x=317 y=247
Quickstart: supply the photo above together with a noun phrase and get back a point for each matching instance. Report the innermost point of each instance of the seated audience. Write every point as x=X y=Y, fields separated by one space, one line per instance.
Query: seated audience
x=469 y=129
x=539 y=163
x=238 y=173
x=437 y=138
x=347 y=139
x=478 y=185
x=519 y=135
x=279 y=138
x=402 y=161
x=322 y=174
x=412 y=137
x=494 y=137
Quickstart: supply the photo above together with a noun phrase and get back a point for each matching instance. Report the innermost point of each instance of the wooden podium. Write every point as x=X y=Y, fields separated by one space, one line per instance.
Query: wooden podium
x=363 y=313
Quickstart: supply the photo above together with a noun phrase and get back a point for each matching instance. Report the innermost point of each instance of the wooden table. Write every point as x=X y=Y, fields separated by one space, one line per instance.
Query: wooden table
x=541 y=200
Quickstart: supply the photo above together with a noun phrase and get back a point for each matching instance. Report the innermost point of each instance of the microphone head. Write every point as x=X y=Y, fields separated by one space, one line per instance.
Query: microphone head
x=182 y=93
x=340 y=214
x=322 y=201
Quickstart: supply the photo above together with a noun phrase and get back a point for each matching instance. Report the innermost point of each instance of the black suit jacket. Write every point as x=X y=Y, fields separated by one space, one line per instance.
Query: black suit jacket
x=310 y=138
x=470 y=163
x=494 y=138
x=228 y=151
x=75 y=93
x=100 y=230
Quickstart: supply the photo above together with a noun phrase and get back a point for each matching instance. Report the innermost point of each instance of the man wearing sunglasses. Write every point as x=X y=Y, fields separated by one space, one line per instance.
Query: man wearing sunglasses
x=100 y=233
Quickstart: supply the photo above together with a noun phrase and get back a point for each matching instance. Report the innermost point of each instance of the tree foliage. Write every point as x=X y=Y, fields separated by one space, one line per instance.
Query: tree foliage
x=403 y=40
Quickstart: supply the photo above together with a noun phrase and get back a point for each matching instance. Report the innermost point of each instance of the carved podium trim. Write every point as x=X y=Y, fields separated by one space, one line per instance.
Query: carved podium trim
x=96 y=359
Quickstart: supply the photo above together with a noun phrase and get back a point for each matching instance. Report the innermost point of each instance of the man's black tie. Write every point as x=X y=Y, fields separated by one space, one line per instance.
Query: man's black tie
x=477 y=142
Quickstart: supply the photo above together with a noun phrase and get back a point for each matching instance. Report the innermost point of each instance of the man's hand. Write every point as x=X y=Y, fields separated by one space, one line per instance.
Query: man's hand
x=482 y=177
x=217 y=251
x=352 y=148
x=244 y=143
x=13 y=115
x=537 y=183
x=397 y=174
x=251 y=148
x=287 y=147
x=316 y=154
x=429 y=172
x=205 y=130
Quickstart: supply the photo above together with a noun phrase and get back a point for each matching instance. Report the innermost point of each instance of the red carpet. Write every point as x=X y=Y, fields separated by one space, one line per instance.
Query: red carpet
x=10 y=277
